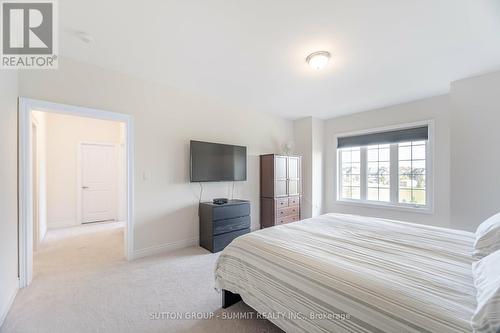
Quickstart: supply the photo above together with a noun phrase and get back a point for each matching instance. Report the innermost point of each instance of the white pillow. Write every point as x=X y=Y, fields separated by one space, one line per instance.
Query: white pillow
x=487 y=237
x=486 y=273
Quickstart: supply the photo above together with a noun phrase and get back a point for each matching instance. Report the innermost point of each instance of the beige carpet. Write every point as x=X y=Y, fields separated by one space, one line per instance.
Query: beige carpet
x=82 y=284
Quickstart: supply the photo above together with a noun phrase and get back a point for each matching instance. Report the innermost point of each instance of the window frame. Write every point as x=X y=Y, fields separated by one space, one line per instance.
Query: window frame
x=394 y=204
x=362 y=169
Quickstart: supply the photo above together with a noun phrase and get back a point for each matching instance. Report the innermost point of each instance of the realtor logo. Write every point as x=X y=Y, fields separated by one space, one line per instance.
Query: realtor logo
x=28 y=34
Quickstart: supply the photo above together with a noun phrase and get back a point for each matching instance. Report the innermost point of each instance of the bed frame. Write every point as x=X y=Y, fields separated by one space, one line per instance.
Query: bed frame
x=228 y=298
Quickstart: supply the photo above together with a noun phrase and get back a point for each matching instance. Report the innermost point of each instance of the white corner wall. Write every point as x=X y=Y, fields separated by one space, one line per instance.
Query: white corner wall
x=435 y=108
x=302 y=129
x=64 y=135
x=309 y=143
x=8 y=190
x=318 y=165
x=475 y=154
x=165 y=119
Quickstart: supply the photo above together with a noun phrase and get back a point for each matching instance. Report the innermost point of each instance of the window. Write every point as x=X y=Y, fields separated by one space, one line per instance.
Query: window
x=412 y=170
x=379 y=170
x=351 y=173
x=385 y=168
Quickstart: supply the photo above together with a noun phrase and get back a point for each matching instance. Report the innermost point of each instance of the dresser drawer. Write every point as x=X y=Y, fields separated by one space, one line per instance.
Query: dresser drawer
x=238 y=223
x=221 y=241
x=287 y=219
x=281 y=202
x=230 y=211
x=294 y=201
x=288 y=211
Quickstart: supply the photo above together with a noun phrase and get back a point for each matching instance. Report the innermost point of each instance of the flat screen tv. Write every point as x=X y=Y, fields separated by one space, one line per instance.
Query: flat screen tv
x=214 y=162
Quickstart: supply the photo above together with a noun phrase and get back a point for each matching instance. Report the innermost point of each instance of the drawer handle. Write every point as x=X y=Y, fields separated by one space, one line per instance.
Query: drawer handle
x=281 y=212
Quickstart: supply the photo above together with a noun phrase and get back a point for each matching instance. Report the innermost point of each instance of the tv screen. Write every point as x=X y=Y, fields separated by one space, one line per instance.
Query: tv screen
x=213 y=162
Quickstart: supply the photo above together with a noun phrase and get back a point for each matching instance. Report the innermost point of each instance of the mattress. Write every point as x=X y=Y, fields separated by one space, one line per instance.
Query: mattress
x=347 y=273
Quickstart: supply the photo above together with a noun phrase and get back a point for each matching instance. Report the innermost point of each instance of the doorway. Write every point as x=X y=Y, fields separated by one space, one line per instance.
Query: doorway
x=98 y=182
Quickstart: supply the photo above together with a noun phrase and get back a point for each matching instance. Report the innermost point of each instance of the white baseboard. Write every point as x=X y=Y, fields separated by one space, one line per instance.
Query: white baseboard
x=5 y=310
x=163 y=248
x=57 y=225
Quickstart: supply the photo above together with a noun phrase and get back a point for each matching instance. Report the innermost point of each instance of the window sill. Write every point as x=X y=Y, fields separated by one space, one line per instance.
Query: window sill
x=403 y=208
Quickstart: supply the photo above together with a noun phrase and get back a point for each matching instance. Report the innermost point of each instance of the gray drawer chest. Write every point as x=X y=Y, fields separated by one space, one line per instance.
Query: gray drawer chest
x=220 y=224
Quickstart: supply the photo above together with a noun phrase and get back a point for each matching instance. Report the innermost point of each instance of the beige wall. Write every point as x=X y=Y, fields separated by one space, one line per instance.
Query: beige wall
x=437 y=109
x=302 y=129
x=166 y=204
x=309 y=143
x=475 y=152
x=318 y=165
x=8 y=189
x=64 y=135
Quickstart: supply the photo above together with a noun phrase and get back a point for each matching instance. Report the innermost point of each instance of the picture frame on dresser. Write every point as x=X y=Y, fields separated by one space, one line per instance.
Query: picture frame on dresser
x=280 y=189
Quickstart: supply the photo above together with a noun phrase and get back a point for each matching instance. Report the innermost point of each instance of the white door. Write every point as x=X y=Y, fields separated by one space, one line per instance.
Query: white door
x=99 y=178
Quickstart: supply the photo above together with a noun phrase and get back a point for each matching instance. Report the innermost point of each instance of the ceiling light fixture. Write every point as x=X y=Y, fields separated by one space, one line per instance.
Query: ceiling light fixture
x=318 y=60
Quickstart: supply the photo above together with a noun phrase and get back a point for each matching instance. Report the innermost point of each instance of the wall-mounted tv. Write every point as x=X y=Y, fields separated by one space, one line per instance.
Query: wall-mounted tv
x=214 y=162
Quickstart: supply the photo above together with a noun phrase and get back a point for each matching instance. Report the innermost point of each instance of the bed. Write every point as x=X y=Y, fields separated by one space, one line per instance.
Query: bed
x=347 y=273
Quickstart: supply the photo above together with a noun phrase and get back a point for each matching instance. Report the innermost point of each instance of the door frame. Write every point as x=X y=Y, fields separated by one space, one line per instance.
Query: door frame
x=25 y=182
x=36 y=183
x=79 y=177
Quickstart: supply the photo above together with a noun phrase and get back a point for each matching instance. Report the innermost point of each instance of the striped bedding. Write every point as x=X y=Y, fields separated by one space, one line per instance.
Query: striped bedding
x=347 y=273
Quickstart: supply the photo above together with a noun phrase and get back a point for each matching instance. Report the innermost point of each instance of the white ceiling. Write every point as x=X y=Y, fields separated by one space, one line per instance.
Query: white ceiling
x=251 y=54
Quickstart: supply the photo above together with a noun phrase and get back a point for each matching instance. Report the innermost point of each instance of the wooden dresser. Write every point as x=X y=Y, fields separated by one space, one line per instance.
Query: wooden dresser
x=280 y=189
